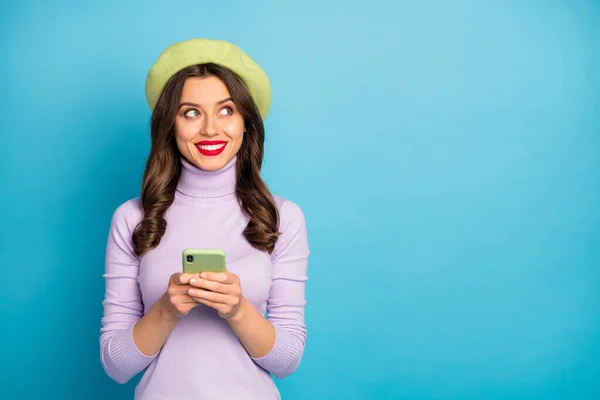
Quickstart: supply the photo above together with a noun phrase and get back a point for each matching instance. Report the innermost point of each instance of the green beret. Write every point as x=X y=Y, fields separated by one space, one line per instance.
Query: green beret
x=199 y=51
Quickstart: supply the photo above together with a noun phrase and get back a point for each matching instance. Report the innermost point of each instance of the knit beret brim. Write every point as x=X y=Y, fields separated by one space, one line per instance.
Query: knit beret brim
x=199 y=51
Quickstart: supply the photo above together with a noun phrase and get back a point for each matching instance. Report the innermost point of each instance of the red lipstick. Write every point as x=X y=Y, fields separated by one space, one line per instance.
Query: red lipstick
x=211 y=147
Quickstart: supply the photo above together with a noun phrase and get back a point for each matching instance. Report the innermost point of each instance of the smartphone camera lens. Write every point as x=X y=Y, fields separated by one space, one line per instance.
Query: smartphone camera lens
x=190 y=258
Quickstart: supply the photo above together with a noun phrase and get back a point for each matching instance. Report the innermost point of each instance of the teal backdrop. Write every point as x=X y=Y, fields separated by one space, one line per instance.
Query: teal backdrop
x=446 y=155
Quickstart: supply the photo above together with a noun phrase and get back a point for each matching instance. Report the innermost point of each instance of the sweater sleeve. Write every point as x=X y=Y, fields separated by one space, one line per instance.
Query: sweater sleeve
x=287 y=301
x=123 y=307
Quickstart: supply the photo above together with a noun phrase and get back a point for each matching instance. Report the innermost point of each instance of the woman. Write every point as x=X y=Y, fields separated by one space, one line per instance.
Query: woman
x=205 y=336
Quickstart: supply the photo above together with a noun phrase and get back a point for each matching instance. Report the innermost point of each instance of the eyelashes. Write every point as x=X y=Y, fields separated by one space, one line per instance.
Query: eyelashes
x=188 y=112
x=228 y=108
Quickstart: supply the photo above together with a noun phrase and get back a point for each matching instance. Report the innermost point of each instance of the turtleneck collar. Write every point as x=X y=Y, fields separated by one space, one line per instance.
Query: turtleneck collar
x=199 y=183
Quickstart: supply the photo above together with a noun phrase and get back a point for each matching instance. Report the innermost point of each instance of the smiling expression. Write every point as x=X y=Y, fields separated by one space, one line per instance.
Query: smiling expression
x=209 y=129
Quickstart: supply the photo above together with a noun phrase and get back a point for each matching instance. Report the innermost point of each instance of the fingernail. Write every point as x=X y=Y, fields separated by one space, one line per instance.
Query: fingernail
x=192 y=291
x=193 y=281
x=203 y=275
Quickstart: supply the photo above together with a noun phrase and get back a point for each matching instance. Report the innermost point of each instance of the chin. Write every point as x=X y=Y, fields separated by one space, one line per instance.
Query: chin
x=212 y=163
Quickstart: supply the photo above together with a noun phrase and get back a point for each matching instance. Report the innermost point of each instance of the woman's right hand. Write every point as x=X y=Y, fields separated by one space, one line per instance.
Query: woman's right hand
x=176 y=299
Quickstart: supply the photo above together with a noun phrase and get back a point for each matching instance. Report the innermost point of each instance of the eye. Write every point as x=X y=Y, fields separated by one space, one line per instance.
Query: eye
x=192 y=113
x=228 y=109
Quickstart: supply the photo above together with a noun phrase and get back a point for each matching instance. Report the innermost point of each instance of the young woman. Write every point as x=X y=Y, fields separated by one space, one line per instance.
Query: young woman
x=205 y=336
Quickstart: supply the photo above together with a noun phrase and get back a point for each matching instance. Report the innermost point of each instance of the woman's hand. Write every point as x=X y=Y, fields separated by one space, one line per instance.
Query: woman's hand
x=176 y=299
x=218 y=290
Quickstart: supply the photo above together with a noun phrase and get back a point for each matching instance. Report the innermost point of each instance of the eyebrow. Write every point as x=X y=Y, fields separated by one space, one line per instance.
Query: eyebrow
x=187 y=103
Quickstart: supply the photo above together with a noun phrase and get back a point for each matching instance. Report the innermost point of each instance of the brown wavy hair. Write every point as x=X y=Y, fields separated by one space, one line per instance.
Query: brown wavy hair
x=163 y=167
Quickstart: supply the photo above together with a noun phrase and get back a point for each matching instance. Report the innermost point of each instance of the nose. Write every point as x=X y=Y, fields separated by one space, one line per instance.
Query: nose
x=210 y=127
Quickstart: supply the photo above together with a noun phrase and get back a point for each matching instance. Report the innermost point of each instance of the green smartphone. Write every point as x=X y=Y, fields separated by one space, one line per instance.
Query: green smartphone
x=196 y=261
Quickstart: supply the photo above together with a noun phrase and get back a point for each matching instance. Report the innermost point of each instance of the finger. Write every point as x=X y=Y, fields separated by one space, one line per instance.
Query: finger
x=222 y=277
x=211 y=296
x=210 y=285
x=177 y=289
x=183 y=278
x=232 y=289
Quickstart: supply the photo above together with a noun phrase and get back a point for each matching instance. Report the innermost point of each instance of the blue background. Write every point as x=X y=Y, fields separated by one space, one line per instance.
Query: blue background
x=446 y=155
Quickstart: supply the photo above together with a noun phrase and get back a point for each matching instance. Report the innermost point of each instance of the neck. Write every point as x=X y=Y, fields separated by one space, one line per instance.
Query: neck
x=199 y=183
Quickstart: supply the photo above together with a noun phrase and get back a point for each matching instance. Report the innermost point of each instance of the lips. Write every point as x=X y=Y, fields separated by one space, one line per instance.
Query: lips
x=211 y=148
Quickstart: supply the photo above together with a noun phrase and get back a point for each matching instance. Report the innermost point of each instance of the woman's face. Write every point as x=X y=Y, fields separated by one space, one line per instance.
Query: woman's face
x=208 y=127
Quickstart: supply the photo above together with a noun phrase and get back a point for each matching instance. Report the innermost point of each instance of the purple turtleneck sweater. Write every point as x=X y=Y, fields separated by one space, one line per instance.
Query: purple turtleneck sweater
x=203 y=358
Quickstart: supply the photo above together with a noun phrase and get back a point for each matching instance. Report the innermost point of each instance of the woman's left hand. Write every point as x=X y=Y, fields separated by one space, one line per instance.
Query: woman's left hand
x=218 y=290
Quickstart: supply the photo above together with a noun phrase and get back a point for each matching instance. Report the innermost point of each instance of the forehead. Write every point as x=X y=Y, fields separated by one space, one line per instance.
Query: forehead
x=204 y=90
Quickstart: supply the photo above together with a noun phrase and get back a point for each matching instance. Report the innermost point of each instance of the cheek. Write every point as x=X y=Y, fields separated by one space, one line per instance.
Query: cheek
x=234 y=127
x=185 y=132
x=184 y=135
x=235 y=130
x=237 y=136
x=236 y=141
